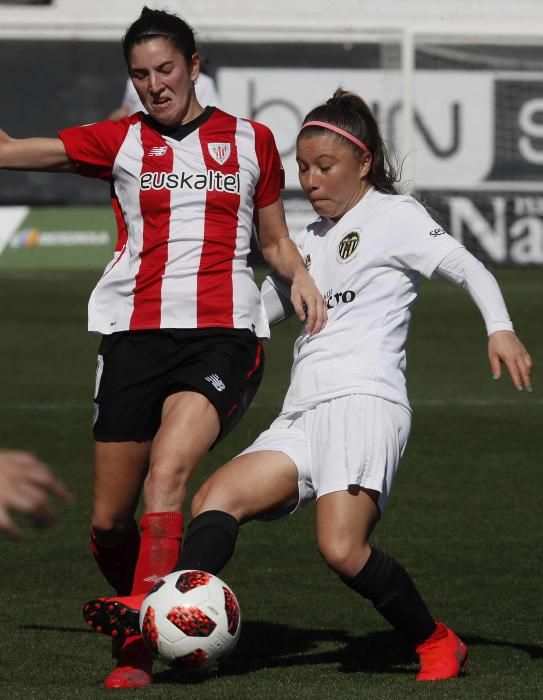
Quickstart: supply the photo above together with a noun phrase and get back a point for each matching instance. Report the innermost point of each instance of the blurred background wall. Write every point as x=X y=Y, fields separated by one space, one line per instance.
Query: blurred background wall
x=457 y=88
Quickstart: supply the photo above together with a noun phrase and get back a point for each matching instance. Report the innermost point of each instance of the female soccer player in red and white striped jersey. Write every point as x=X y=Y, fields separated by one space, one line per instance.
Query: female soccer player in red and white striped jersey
x=178 y=308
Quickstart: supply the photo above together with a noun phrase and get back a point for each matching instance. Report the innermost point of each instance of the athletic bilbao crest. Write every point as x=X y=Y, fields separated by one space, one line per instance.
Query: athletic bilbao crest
x=220 y=152
x=348 y=245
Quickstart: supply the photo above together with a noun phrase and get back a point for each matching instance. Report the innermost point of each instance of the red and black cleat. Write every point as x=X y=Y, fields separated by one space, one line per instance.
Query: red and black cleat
x=111 y=616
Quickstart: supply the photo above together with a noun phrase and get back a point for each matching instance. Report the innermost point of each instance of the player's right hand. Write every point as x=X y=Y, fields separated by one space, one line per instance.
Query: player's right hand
x=308 y=302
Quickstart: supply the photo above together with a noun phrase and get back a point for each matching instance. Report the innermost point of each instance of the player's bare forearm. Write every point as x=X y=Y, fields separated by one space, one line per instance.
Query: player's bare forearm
x=283 y=257
x=281 y=253
x=278 y=250
x=33 y=154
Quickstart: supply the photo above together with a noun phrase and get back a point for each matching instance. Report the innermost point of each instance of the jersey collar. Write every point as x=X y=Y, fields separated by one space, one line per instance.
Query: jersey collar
x=182 y=130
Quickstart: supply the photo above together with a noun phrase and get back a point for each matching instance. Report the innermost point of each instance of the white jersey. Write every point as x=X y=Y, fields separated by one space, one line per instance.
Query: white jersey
x=367 y=265
x=184 y=200
x=206 y=94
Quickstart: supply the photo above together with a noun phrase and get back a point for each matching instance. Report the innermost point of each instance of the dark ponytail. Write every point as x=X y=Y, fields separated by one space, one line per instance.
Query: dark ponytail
x=349 y=112
x=153 y=24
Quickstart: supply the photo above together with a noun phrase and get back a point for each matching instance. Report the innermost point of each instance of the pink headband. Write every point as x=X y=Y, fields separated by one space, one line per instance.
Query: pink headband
x=346 y=134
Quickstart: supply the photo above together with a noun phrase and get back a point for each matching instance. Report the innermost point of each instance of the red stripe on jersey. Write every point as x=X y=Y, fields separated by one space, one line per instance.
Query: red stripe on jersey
x=155 y=212
x=94 y=147
x=272 y=177
x=122 y=231
x=215 y=296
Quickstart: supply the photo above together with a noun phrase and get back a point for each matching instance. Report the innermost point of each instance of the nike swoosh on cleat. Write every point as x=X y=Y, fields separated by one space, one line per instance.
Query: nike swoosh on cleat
x=458 y=652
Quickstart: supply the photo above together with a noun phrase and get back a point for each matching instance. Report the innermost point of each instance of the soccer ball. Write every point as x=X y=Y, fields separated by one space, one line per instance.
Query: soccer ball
x=190 y=619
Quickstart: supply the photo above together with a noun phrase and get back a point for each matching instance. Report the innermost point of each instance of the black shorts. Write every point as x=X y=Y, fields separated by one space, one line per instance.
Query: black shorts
x=138 y=370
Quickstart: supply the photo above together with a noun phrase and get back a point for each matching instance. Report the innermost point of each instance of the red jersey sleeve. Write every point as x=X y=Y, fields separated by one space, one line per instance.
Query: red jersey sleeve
x=94 y=147
x=271 y=180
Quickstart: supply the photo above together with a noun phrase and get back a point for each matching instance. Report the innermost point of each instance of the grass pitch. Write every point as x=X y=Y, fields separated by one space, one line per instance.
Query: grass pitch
x=464 y=518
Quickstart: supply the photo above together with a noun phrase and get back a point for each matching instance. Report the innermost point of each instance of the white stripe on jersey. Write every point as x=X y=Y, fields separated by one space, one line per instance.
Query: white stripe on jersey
x=245 y=141
x=118 y=278
x=179 y=290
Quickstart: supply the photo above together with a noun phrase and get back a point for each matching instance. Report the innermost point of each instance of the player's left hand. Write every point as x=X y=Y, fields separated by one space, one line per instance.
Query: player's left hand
x=308 y=302
x=505 y=347
x=26 y=486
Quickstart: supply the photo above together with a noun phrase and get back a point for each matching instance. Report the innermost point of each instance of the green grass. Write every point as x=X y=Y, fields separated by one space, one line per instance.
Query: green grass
x=464 y=518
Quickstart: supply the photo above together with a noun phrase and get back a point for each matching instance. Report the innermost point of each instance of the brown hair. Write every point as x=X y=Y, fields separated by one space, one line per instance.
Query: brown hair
x=349 y=112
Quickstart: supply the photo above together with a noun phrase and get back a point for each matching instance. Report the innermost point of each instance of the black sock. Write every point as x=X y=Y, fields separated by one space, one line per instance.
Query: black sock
x=209 y=542
x=392 y=591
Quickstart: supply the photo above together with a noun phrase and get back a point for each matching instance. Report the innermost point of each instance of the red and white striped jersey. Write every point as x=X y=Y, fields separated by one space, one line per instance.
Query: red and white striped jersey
x=184 y=199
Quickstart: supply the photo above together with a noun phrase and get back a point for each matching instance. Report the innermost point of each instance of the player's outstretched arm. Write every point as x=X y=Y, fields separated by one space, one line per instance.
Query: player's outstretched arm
x=281 y=253
x=504 y=347
x=26 y=486
x=33 y=154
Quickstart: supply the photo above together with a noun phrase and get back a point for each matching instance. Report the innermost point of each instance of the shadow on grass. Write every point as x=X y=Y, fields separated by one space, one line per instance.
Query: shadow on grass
x=53 y=628
x=265 y=645
x=532 y=650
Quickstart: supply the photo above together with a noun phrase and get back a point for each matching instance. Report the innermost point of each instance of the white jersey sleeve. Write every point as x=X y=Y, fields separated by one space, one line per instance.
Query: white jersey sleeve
x=276 y=297
x=416 y=241
x=462 y=268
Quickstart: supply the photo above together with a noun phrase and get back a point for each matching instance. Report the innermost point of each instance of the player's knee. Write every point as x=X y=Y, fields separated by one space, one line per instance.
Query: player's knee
x=342 y=556
x=216 y=494
x=198 y=504
x=166 y=479
x=109 y=529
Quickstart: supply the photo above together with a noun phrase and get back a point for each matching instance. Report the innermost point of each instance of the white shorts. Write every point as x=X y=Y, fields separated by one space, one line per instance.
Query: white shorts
x=353 y=440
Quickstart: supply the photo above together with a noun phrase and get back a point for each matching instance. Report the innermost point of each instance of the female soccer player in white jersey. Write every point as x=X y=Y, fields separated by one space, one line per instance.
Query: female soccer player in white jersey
x=346 y=417
x=178 y=307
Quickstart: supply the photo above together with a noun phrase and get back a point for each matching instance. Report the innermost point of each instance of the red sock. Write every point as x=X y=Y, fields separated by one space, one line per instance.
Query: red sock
x=118 y=563
x=135 y=653
x=161 y=535
x=134 y=665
